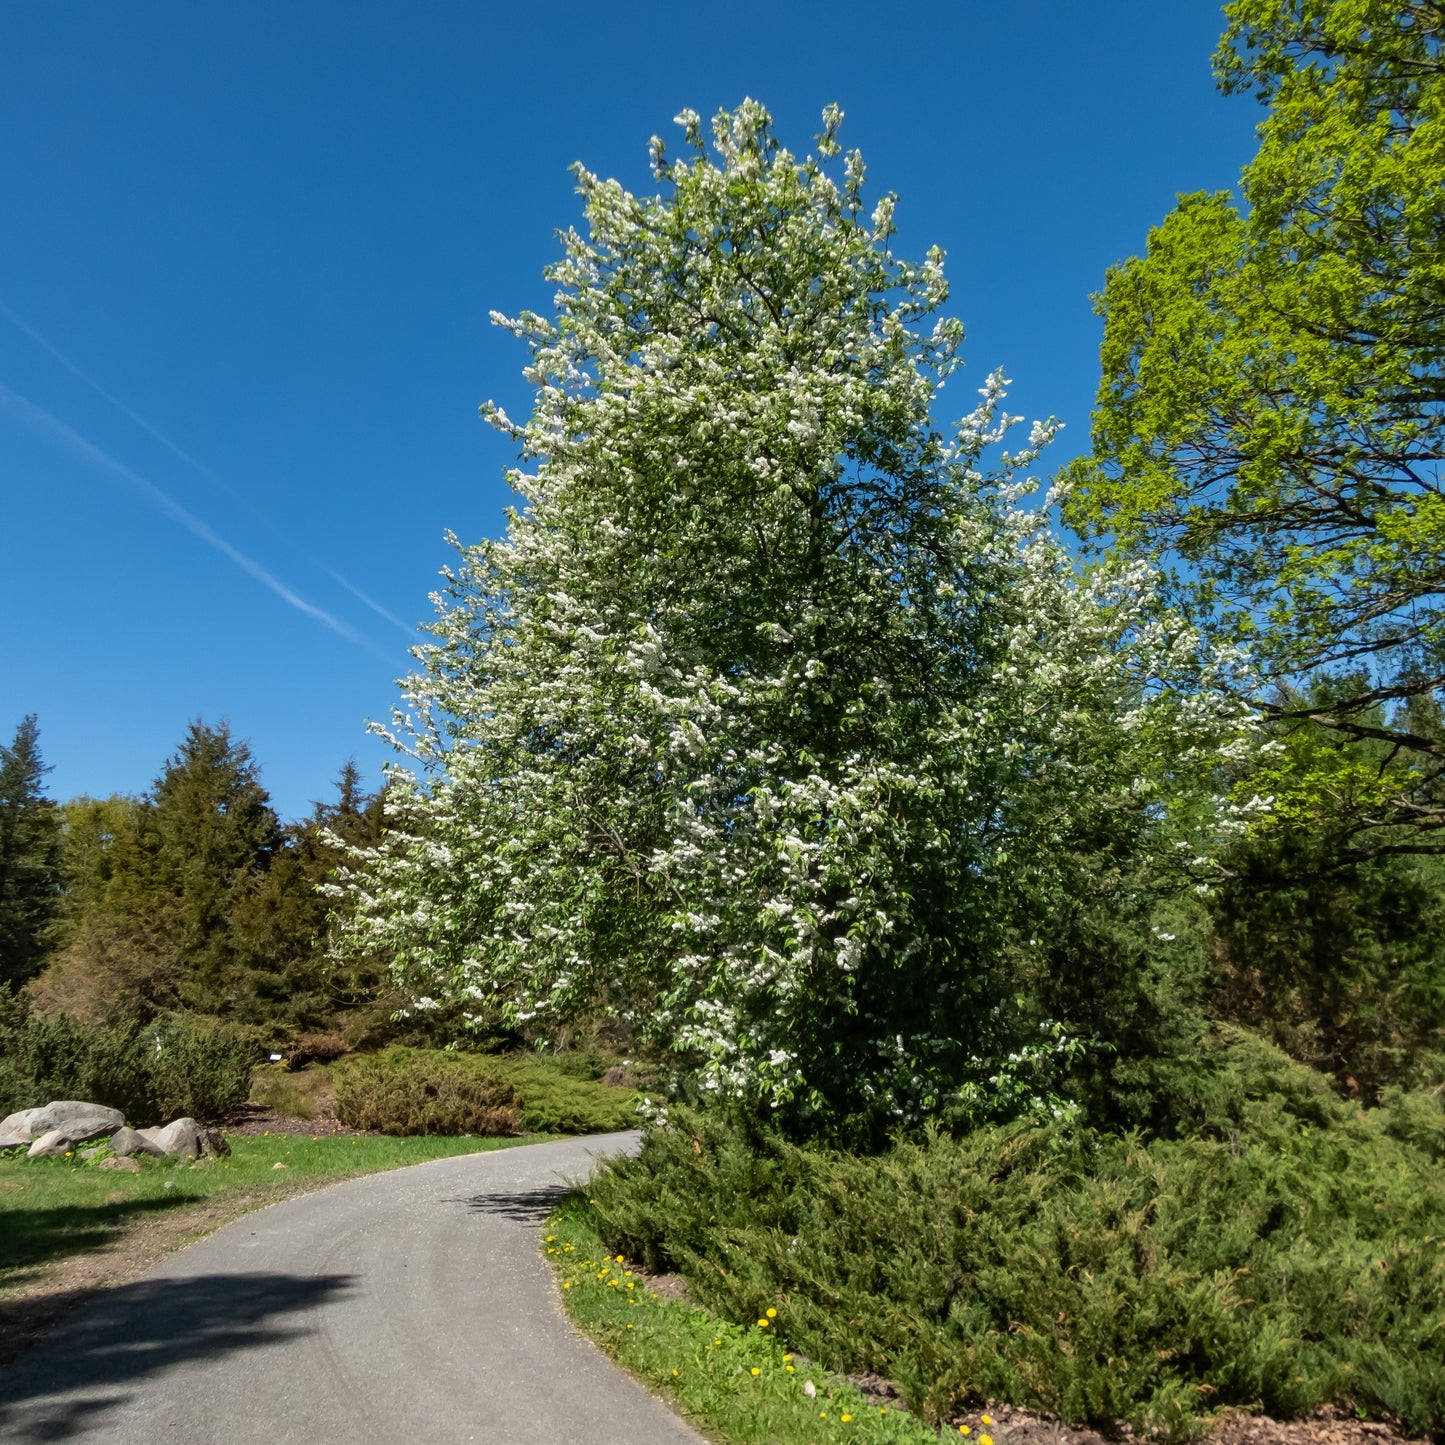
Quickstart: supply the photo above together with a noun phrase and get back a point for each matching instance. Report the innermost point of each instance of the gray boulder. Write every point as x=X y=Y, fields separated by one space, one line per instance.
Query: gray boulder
x=17 y=1126
x=78 y=1121
x=48 y=1145
x=181 y=1139
x=128 y=1141
x=214 y=1144
x=130 y=1165
x=13 y=1141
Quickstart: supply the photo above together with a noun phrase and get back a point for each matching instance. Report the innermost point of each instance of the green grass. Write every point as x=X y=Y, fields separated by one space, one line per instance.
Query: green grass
x=738 y=1382
x=51 y=1208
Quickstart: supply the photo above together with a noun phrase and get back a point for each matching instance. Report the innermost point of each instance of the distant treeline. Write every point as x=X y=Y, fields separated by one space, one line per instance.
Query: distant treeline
x=197 y=898
x=194 y=897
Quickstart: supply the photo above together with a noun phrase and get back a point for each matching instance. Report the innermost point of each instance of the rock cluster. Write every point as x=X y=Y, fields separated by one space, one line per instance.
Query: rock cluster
x=61 y=1126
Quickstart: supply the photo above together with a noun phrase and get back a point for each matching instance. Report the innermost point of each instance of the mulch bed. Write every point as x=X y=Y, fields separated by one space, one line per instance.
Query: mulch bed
x=253 y=1119
x=1010 y=1425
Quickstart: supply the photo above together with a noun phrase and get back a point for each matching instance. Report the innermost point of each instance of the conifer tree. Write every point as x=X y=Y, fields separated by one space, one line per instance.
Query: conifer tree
x=281 y=923
x=211 y=834
x=29 y=855
x=154 y=884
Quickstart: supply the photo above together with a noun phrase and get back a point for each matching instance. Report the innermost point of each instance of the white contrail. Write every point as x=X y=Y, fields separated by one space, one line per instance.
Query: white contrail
x=211 y=476
x=20 y=324
x=55 y=430
x=376 y=607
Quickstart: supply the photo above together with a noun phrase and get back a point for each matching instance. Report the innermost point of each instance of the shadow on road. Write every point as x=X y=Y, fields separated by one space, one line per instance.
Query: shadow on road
x=64 y=1387
x=527 y=1206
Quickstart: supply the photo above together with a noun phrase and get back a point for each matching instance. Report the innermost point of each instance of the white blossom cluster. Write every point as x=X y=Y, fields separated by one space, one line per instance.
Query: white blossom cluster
x=776 y=700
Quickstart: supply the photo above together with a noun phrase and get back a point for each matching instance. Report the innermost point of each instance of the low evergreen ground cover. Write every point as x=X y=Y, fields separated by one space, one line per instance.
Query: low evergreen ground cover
x=1283 y=1254
x=51 y=1208
x=431 y=1091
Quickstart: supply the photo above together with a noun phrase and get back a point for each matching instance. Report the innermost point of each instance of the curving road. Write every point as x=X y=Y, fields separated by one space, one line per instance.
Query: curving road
x=407 y=1308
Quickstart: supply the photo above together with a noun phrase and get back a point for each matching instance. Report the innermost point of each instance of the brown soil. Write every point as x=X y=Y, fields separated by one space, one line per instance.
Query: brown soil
x=255 y=1119
x=1009 y=1425
x=1330 y=1426
x=664 y=1286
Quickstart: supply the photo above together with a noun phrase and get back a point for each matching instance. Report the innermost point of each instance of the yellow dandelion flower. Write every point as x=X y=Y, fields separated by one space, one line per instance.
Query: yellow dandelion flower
x=985 y=1440
x=987 y=1419
x=772 y=1314
x=963 y=1429
x=762 y=1324
x=786 y=1358
x=846 y=1418
x=788 y=1368
x=755 y=1371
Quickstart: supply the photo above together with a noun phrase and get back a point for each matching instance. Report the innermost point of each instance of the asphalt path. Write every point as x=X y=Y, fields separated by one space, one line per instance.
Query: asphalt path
x=404 y=1308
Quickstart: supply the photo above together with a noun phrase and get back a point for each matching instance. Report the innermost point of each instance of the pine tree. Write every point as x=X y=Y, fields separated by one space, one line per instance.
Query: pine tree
x=281 y=923
x=211 y=835
x=29 y=856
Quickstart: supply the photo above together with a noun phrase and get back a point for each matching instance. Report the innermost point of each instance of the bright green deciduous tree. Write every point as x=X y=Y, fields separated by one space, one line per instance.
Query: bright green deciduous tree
x=29 y=855
x=774 y=721
x=1272 y=407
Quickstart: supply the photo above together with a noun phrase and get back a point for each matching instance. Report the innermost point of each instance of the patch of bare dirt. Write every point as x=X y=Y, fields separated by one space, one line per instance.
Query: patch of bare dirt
x=257 y=1119
x=1330 y=1426
x=1008 y=1425
x=664 y=1286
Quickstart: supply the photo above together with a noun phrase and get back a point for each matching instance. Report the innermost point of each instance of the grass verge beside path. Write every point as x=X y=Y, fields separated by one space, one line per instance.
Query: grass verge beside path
x=738 y=1384
x=68 y=1228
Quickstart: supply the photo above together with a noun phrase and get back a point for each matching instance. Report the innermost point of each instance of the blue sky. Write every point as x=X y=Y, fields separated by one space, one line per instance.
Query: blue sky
x=247 y=255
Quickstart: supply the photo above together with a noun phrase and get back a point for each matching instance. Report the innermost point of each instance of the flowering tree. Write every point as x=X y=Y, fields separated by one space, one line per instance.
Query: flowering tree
x=773 y=718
